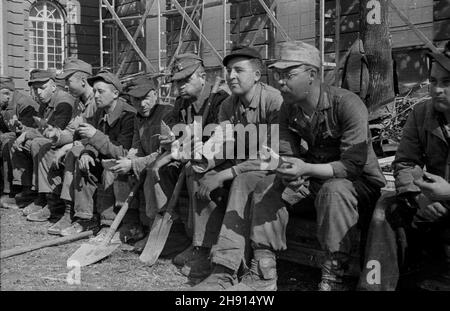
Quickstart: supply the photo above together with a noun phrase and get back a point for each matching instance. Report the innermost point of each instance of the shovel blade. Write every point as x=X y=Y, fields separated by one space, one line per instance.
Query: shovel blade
x=157 y=239
x=90 y=253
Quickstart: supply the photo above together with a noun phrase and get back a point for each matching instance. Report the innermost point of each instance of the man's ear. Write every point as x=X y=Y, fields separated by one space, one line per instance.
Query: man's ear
x=257 y=75
x=202 y=75
x=84 y=81
x=116 y=93
x=313 y=74
x=53 y=85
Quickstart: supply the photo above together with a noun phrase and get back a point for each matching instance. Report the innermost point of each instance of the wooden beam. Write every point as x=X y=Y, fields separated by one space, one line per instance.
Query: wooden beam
x=274 y=21
x=413 y=27
x=196 y=29
x=128 y=52
x=128 y=36
x=263 y=23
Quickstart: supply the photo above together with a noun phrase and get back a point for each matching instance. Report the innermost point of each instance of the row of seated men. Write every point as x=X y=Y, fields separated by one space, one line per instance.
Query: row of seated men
x=56 y=159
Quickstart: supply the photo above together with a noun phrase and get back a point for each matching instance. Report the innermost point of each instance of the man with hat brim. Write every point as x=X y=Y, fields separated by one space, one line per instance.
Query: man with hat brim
x=143 y=92
x=197 y=99
x=339 y=170
x=108 y=137
x=50 y=174
x=221 y=228
x=55 y=110
x=419 y=209
x=17 y=111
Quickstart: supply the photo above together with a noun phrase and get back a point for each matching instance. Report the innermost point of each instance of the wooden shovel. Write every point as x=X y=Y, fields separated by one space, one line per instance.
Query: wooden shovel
x=89 y=253
x=161 y=227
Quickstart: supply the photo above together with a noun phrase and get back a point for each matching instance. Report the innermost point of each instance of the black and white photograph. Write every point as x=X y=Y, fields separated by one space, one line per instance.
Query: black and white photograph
x=233 y=146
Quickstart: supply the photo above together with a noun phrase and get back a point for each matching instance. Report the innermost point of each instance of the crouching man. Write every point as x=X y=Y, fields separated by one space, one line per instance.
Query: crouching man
x=143 y=93
x=109 y=137
x=411 y=228
x=55 y=111
x=17 y=110
x=335 y=167
x=197 y=99
x=50 y=169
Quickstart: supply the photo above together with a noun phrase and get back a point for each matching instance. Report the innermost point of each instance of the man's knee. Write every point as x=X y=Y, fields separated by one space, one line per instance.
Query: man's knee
x=37 y=145
x=336 y=192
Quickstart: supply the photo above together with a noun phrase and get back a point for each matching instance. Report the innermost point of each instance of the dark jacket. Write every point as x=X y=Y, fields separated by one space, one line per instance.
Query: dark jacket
x=146 y=136
x=114 y=136
x=21 y=105
x=57 y=113
x=183 y=111
x=422 y=144
x=338 y=133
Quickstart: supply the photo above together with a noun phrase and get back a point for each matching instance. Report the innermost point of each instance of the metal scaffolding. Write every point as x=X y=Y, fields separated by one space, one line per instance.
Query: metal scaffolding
x=192 y=16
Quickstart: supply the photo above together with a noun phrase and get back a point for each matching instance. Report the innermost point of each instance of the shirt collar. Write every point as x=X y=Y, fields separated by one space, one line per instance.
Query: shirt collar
x=111 y=117
x=254 y=102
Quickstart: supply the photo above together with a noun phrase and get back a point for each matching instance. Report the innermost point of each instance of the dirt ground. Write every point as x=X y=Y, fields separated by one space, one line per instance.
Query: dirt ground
x=46 y=270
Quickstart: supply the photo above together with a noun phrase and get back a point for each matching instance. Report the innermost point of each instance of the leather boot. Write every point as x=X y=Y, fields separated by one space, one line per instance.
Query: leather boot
x=64 y=222
x=333 y=270
x=221 y=278
x=262 y=275
x=199 y=265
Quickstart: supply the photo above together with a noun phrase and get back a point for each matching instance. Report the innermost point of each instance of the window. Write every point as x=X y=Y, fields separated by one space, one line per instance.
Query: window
x=46 y=28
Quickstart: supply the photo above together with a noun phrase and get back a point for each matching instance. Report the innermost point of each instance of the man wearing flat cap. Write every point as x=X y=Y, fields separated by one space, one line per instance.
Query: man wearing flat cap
x=326 y=156
x=143 y=92
x=55 y=111
x=419 y=210
x=108 y=137
x=197 y=98
x=17 y=110
x=222 y=229
x=50 y=172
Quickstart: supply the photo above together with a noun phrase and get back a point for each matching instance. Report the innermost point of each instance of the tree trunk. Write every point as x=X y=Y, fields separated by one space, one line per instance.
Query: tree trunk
x=375 y=35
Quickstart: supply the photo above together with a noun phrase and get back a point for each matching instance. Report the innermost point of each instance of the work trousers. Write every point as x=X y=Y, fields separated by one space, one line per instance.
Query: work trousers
x=335 y=201
x=227 y=226
x=24 y=163
x=92 y=191
x=6 y=141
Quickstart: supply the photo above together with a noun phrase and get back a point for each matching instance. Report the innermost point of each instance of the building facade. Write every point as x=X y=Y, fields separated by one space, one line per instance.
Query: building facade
x=42 y=33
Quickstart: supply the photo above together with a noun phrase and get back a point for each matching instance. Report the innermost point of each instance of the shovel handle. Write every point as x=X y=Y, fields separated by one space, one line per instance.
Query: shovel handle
x=59 y=241
x=121 y=214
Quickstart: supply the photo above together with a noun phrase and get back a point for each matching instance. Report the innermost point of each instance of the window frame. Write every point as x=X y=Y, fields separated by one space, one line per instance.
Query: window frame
x=46 y=18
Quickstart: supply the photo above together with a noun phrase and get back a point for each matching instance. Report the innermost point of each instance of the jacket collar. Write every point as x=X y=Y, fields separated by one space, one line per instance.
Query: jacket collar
x=254 y=102
x=113 y=116
x=54 y=98
x=432 y=123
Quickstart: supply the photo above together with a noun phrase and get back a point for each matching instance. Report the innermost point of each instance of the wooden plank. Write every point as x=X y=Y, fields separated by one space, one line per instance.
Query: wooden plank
x=403 y=37
x=405 y=19
x=312 y=257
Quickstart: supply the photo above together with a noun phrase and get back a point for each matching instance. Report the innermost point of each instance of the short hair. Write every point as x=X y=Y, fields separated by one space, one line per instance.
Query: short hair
x=200 y=70
x=257 y=64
